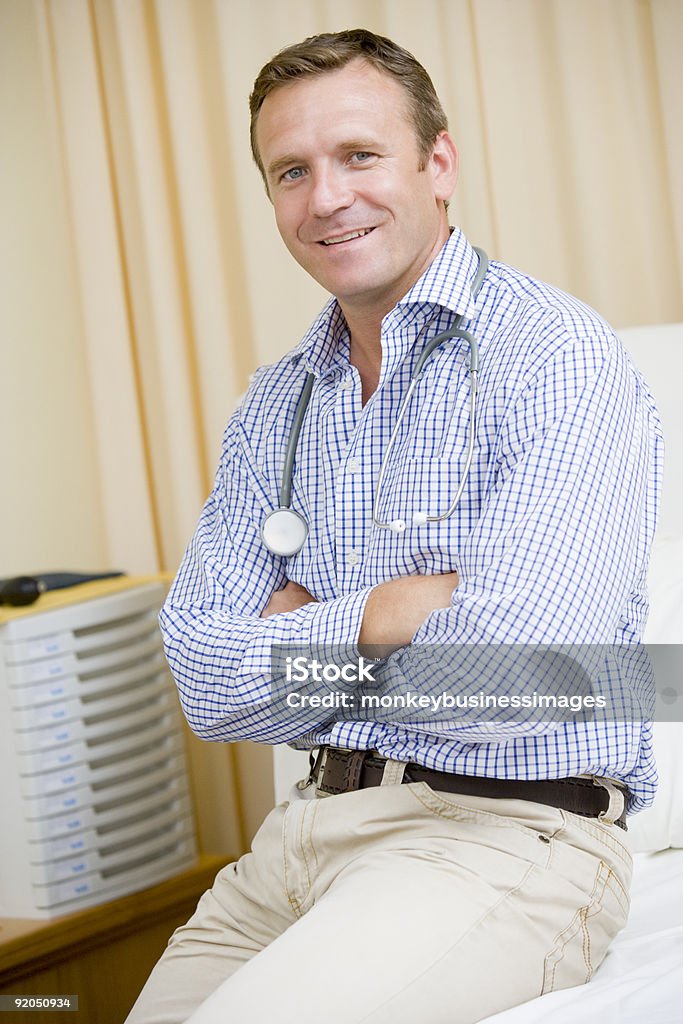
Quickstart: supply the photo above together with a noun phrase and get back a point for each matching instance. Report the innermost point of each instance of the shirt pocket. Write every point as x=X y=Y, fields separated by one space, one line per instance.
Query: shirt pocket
x=429 y=485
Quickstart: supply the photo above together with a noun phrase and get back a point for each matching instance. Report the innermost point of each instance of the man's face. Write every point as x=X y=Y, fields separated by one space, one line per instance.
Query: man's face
x=352 y=206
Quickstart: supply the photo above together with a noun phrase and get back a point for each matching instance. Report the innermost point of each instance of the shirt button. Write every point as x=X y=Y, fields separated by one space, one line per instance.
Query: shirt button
x=353 y=465
x=345 y=383
x=353 y=558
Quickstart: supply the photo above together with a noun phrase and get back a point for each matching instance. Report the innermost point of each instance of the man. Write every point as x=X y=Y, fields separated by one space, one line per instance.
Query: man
x=437 y=867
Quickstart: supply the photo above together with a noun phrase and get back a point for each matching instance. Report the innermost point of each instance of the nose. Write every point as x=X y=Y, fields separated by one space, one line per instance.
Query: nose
x=329 y=192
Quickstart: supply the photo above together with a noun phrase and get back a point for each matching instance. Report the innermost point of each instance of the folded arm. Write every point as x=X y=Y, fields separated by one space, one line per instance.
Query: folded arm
x=393 y=612
x=552 y=558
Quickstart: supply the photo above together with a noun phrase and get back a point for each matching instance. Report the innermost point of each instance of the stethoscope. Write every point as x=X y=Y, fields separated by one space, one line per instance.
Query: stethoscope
x=284 y=531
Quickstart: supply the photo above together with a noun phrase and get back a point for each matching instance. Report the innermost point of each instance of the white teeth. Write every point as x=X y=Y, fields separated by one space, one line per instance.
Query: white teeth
x=346 y=238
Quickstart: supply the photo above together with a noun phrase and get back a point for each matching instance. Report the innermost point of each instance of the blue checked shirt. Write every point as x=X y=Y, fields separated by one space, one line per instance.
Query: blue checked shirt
x=550 y=540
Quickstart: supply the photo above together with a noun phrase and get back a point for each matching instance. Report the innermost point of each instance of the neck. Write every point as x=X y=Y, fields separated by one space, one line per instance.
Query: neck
x=364 y=316
x=366 y=350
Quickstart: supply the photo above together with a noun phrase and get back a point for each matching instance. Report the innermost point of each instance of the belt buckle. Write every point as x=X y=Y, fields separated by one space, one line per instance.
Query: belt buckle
x=344 y=770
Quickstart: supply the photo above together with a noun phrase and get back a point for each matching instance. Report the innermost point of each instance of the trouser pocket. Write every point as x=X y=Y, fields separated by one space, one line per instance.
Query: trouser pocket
x=578 y=950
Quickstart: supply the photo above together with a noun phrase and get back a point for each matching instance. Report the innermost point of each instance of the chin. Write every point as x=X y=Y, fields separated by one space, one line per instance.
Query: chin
x=357 y=284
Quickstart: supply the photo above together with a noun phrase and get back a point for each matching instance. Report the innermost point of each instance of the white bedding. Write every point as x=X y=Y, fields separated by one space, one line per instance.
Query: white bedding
x=641 y=979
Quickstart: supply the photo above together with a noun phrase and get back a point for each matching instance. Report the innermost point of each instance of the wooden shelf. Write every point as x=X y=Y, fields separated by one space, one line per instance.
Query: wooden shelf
x=102 y=954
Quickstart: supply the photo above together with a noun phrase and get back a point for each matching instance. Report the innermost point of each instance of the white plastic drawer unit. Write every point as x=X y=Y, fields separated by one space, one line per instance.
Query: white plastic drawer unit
x=95 y=799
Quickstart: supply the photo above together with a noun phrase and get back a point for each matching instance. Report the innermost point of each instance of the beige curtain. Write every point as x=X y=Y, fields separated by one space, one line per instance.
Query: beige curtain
x=567 y=114
x=568 y=117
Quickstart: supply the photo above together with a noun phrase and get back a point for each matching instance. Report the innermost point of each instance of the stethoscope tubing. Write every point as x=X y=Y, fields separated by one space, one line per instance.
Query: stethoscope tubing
x=288 y=467
x=420 y=518
x=284 y=531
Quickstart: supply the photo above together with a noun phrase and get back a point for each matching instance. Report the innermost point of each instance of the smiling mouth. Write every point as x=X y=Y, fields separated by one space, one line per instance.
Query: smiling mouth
x=346 y=238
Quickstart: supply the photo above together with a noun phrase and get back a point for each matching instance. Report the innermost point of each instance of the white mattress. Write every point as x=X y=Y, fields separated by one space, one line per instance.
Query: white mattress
x=641 y=979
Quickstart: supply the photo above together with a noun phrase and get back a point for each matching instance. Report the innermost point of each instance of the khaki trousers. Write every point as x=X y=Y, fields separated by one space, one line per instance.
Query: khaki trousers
x=396 y=904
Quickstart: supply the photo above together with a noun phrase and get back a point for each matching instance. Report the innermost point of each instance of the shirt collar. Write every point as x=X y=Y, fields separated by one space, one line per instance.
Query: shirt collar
x=326 y=342
x=445 y=285
x=447 y=281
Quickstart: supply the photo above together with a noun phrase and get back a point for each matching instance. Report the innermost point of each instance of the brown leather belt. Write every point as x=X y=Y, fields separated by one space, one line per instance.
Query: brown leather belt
x=336 y=771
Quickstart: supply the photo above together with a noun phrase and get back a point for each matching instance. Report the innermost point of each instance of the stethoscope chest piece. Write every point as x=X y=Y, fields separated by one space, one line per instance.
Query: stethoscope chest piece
x=284 y=532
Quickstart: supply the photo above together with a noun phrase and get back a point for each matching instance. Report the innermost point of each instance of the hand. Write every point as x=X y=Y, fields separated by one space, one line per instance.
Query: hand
x=395 y=610
x=291 y=597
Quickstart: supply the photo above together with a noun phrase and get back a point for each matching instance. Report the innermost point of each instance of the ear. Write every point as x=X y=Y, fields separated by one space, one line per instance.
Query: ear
x=443 y=166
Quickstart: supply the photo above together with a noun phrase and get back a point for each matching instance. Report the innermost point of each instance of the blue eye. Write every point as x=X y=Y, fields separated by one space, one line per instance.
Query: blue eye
x=293 y=174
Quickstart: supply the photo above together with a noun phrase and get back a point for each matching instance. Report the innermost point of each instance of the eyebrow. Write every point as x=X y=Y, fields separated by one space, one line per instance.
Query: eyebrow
x=292 y=160
x=281 y=163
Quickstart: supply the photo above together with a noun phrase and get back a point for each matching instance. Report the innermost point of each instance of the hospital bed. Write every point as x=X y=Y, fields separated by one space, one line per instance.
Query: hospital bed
x=641 y=978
